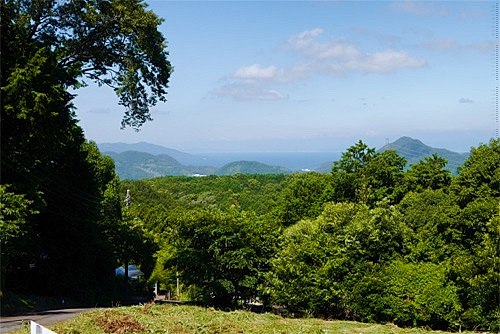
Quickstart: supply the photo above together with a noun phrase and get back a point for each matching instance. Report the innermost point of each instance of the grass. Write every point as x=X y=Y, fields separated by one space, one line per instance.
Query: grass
x=168 y=318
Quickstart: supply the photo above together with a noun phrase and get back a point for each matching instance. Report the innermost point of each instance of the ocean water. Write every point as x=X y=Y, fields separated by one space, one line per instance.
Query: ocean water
x=295 y=161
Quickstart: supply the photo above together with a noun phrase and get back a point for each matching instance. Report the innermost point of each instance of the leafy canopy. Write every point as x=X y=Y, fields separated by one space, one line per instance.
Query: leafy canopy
x=114 y=43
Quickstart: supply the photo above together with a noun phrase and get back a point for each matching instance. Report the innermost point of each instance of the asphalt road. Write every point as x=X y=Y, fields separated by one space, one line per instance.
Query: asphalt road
x=45 y=318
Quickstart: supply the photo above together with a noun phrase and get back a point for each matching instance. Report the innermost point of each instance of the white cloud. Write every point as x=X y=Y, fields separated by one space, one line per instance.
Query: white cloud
x=337 y=57
x=484 y=46
x=306 y=44
x=255 y=72
x=465 y=100
x=333 y=58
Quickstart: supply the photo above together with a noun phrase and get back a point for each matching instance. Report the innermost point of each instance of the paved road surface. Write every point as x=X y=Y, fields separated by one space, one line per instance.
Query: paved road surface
x=45 y=318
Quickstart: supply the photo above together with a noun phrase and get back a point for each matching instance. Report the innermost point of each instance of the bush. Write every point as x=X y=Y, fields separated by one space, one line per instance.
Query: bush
x=408 y=294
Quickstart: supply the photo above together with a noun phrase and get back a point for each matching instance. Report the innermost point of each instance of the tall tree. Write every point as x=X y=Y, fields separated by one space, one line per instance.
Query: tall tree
x=48 y=47
x=428 y=174
x=223 y=254
x=365 y=176
x=303 y=197
x=479 y=177
x=114 y=43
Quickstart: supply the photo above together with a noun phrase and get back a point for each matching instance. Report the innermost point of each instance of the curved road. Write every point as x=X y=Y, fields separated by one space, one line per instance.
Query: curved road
x=45 y=318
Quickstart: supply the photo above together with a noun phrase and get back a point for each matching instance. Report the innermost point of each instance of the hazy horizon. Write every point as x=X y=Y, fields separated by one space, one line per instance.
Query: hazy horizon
x=194 y=152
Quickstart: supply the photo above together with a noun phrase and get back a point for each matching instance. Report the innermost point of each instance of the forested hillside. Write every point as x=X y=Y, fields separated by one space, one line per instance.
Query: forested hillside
x=414 y=150
x=370 y=241
x=135 y=165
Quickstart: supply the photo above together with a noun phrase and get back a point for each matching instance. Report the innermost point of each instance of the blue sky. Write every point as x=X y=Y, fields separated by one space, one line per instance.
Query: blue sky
x=281 y=76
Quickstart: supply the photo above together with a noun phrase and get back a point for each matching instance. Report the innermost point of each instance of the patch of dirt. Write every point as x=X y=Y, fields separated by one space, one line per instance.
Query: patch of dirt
x=147 y=308
x=115 y=323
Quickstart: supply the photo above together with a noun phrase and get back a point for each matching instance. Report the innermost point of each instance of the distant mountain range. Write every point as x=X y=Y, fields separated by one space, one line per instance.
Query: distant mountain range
x=182 y=157
x=137 y=165
x=145 y=160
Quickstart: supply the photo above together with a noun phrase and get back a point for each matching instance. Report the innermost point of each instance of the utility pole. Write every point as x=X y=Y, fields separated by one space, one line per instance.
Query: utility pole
x=127 y=198
x=387 y=144
x=127 y=203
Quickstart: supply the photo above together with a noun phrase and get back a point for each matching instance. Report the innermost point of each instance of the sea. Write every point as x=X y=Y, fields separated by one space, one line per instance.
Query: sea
x=296 y=161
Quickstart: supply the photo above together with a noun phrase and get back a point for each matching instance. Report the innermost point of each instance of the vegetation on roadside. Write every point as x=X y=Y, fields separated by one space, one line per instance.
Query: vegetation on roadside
x=194 y=319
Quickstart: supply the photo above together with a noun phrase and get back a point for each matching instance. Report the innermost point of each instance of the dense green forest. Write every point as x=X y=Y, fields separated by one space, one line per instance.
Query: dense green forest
x=372 y=240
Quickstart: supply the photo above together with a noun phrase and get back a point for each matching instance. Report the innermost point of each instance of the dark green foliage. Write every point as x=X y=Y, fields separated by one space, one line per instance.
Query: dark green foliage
x=47 y=48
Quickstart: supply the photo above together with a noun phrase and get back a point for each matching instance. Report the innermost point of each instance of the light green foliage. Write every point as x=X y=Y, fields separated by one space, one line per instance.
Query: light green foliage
x=14 y=211
x=224 y=254
x=486 y=287
x=303 y=197
x=320 y=260
x=350 y=177
x=475 y=268
x=407 y=294
x=132 y=242
x=415 y=253
x=454 y=239
x=428 y=174
x=386 y=175
x=365 y=176
x=480 y=175
x=257 y=193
